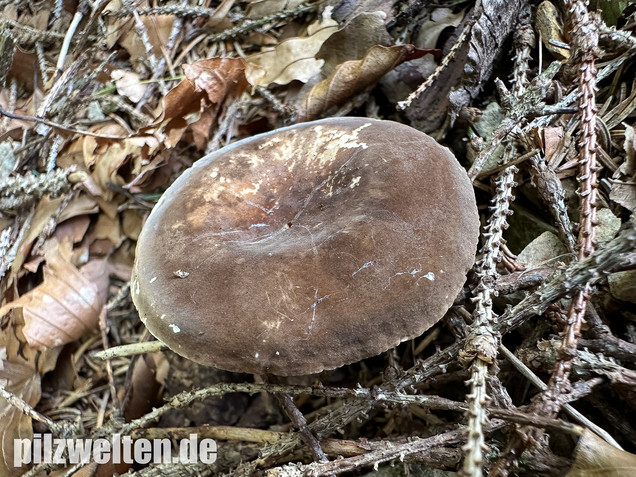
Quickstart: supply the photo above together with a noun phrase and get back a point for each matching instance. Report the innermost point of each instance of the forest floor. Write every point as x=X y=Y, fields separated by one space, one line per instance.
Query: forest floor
x=533 y=369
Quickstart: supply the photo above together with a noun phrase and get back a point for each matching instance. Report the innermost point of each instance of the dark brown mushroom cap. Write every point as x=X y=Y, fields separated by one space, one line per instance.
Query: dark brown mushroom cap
x=307 y=248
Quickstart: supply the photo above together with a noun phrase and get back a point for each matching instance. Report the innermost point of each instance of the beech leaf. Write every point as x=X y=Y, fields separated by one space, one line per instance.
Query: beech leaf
x=354 y=76
x=206 y=86
x=67 y=304
x=293 y=58
x=596 y=458
x=20 y=379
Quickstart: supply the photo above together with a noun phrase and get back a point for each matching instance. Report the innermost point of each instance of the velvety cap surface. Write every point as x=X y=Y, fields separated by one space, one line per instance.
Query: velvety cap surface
x=307 y=248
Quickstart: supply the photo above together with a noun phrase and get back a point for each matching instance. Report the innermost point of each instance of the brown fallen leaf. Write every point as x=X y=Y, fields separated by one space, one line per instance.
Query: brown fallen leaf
x=293 y=58
x=552 y=138
x=220 y=13
x=20 y=370
x=207 y=85
x=353 y=77
x=103 y=159
x=129 y=84
x=353 y=41
x=20 y=379
x=44 y=211
x=123 y=30
x=550 y=26
x=596 y=458
x=66 y=305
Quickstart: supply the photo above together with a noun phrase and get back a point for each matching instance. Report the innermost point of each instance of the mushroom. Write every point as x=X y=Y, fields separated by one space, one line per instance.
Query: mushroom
x=307 y=248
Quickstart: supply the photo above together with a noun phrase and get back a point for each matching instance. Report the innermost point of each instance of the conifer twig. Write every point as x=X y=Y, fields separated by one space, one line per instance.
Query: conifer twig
x=481 y=345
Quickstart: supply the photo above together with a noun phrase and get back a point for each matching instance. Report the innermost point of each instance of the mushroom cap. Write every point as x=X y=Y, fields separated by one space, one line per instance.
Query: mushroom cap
x=307 y=248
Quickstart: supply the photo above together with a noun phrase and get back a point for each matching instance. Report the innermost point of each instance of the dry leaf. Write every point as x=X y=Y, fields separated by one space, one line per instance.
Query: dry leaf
x=552 y=138
x=550 y=27
x=20 y=370
x=105 y=158
x=344 y=11
x=131 y=222
x=143 y=390
x=107 y=228
x=44 y=211
x=129 y=84
x=293 y=58
x=596 y=458
x=208 y=83
x=72 y=229
x=24 y=68
x=220 y=13
x=624 y=179
x=123 y=29
x=353 y=41
x=66 y=305
x=353 y=77
x=431 y=29
x=80 y=204
x=20 y=379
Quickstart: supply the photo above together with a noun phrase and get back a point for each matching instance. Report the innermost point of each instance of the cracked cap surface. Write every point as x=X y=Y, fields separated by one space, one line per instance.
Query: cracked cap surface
x=307 y=248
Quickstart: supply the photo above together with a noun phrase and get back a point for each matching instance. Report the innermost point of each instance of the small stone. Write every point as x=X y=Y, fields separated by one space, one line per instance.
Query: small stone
x=608 y=225
x=622 y=285
x=542 y=250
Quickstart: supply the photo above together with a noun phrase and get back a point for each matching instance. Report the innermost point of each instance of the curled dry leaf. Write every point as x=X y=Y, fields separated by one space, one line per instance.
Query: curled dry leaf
x=66 y=305
x=354 y=40
x=206 y=86
x=20 y=379
x=220 y=13
x=550 y=26
x=596 y=458
x=353 y=77
x=128 y=84
x=44 y=211
x=100 y=160
x=20 y=370
x=123 y=29
x=293 y=58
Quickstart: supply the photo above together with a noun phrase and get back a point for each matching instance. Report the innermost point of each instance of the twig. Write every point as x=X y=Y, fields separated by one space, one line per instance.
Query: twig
x=142 y=32
x=461 y=39
x=77 y=18
x=534 y=379
x=297 y=418
x=17 y=191
x=505 y=164
x=529 y=104
x=130 y=350
x=175 y=31
x=103 y=328
x=250 y=25
x=551 y=191
x=481 y=346
x=394 y=452
x=28 y=410
x=585 y=41
x=33 y=35
x=57 y=126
